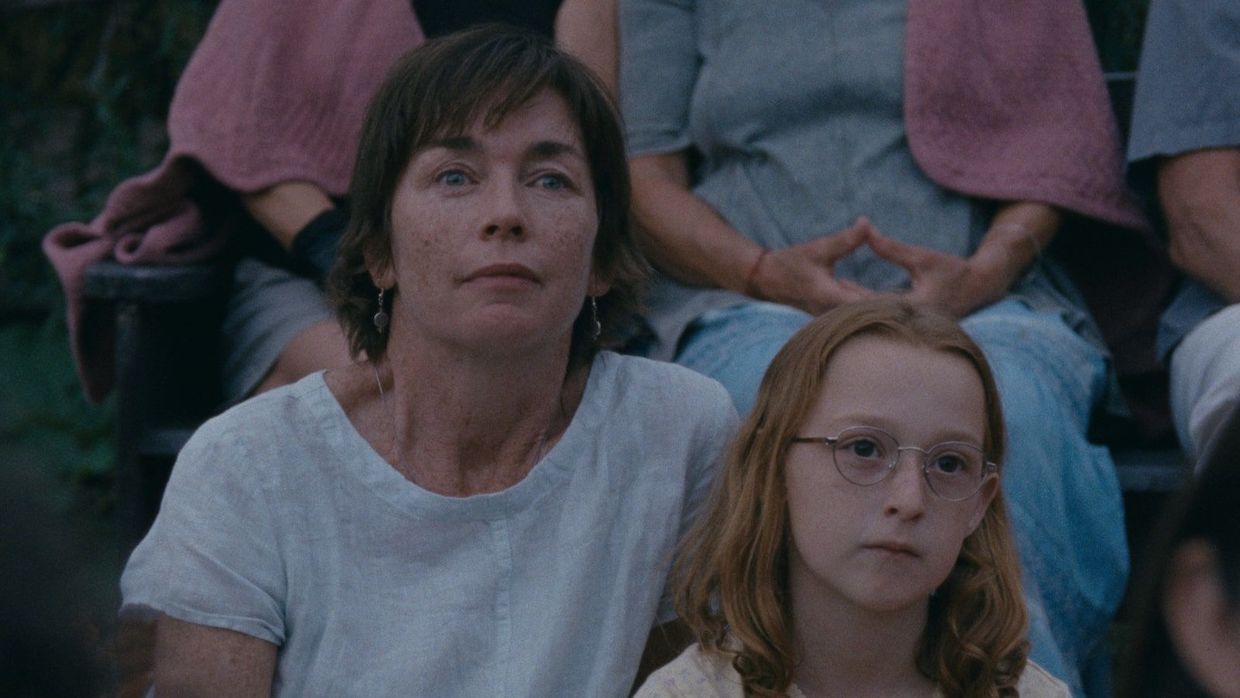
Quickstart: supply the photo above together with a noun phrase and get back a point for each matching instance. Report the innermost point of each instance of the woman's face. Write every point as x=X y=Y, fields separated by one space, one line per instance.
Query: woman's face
x=887 y=546
x=493 y=232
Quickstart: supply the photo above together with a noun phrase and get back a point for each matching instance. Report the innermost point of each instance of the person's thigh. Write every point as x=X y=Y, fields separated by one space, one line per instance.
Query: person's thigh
x=735 y=345
x=1205 y=378
x=277 y=327
x=1062 y=491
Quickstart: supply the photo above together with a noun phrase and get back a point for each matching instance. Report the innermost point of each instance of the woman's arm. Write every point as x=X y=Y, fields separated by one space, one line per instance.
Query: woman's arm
x=688 y=240
x=284 y=209
x=303 y=219
x=196 y=660
x=1200 y=195
x=1016 y=237
x=587 y=30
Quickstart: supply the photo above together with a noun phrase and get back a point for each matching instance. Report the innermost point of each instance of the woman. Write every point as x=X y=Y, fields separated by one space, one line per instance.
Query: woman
x=846 y=150
x=486 y=505
x=857 y=543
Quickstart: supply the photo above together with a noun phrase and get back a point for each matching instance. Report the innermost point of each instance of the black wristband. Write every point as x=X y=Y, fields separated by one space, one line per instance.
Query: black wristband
x=314 y=246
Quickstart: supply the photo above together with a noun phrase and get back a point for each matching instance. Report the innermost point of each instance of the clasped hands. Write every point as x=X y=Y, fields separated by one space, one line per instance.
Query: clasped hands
x=803 y=275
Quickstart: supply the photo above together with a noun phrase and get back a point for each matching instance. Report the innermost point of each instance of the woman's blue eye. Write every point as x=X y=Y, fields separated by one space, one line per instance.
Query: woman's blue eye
x=552 y=181
x=453 y=178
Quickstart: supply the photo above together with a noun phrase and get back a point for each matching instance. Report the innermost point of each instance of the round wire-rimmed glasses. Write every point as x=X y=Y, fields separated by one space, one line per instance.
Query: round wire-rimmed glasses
x=866 y=456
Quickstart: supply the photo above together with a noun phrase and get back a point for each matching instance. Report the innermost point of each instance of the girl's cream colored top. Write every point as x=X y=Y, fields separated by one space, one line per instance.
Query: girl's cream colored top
x=699 y=674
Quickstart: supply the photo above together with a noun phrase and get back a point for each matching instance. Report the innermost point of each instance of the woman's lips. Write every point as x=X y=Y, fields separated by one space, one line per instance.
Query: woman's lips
x=505 y=270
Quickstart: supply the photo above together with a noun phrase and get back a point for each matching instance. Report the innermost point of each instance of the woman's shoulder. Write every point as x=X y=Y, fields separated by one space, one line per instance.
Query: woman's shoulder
x=291 y=398
x=265 y=422
x=645 y=378
x=648 y=394
x=696 y=672
x=1036 y=682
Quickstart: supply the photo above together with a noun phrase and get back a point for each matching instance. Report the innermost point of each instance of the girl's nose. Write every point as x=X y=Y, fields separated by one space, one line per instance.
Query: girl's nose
x=905 y=490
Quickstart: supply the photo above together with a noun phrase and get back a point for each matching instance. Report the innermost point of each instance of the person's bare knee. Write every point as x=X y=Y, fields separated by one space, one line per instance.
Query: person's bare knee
x=319 y=346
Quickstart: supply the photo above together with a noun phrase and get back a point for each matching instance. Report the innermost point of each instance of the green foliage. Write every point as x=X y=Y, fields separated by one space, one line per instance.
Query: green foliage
x=84 y=89
x=45 y=412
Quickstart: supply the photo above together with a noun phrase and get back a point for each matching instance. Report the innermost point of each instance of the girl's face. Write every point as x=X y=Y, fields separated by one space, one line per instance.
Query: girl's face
x=883 y=547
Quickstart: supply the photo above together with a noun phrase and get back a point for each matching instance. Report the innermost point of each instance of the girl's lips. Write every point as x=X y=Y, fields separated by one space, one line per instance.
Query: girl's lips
x=893 y=548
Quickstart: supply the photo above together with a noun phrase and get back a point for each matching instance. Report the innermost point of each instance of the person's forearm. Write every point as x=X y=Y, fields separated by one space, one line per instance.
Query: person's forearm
x=587 y=30
x=680 y=233
x=285 y=208
x=1200 y=195
x=1018 y=234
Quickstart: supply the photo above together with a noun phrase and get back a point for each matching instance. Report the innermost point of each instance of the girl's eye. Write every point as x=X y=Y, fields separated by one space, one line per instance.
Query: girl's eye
x=864 y=448
x=965 y=462
x=949 y=463
x=452 y=178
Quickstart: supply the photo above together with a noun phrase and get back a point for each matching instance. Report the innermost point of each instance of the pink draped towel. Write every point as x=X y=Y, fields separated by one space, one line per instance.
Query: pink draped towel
x=275 y=91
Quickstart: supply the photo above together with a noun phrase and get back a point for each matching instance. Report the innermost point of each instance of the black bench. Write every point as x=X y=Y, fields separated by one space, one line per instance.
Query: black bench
x=167 y=373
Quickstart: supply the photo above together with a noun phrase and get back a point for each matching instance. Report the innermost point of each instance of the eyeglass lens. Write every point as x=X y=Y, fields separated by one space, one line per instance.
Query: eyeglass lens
x=866 y=456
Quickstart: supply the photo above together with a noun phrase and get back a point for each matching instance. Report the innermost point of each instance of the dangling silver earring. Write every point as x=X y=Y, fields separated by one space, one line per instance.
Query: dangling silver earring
x=598 y=326
x=381 y=317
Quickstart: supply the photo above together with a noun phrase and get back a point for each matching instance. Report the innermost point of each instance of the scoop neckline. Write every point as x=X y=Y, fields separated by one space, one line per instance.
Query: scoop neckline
x=359 y=460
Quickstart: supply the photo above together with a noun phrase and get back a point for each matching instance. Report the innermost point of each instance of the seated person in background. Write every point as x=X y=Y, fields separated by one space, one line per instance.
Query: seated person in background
x=1186 y=124
x=275 y=92
x=263 y=130
x=487 y=504
x=852 y=149
x=1187 y=640
x=857 y=543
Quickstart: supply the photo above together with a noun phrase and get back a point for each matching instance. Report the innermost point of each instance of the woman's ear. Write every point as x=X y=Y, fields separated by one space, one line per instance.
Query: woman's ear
x=598 y=286
x=380 y=268
x=1204 y=626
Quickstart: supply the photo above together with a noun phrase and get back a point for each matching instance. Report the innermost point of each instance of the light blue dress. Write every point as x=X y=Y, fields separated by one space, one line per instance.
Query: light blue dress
x=794 y=110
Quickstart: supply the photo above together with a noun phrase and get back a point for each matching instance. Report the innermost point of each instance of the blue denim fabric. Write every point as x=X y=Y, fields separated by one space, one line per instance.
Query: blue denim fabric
x=1062 y=492
x=735 y=345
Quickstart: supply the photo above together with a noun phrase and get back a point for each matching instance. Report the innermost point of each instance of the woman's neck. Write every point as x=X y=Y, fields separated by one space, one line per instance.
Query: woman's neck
x=848 y=650
x=466 y=424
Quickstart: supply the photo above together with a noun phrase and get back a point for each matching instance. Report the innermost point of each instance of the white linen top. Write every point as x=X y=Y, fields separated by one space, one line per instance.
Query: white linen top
x=281 y=522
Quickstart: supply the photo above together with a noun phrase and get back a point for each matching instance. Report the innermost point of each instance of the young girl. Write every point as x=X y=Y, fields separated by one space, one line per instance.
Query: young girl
x=857 y=542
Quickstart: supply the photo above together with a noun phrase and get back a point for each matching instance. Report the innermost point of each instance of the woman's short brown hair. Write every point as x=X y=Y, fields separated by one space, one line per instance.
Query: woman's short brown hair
x=731 y=573
x=439 y=90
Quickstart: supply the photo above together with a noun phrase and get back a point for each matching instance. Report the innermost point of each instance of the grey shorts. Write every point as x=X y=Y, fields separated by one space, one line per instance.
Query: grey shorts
x=269 y=307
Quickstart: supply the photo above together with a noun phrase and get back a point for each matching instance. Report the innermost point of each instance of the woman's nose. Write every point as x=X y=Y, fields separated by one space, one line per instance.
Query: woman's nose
x=504 y=211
